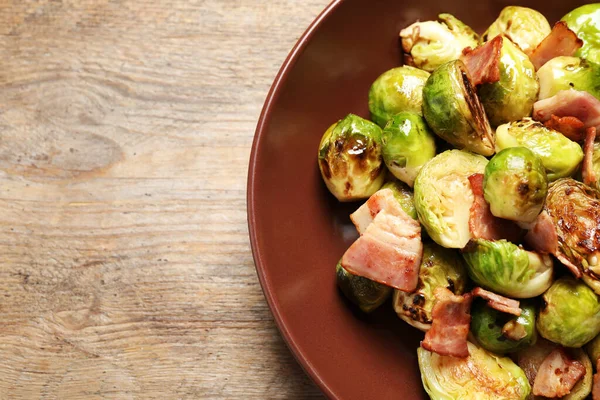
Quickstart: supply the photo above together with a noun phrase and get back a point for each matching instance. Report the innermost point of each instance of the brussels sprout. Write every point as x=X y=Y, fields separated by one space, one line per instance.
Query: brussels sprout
x=523 y=26
x=482 y=375
x=350 y=158
x=561 y=157
x=585 y=22
x=407 y=146
x=397 y=90
x=593 y=349
x=500 y=332
x=365 y=293
x=515 y=184
x=440 y=267
x=453 y=111
x=443 y=196
x=570 y=313
x=512 y=97
x=404 y=195
x=506 y=268
x=564 y=73
x=575 y=211
x=431 y=43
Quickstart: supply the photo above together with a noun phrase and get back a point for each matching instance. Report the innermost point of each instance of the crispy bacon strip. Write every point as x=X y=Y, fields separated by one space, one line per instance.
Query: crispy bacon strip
x=366 y=213
x=560 y=42
x=587 y=171
x=571 y=127
x=557 y=375
x=450 y=324
x=482 y=223
x=498 y=302
x=596 y=384
x=483 y=62
x=569 y=103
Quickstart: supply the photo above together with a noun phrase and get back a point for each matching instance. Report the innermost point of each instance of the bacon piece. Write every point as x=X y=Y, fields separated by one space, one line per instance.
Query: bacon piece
x=571 y=127
x=450 y=324
x=587 y=170
x=596 y=384
x=569 y=103
x=382 y=199
x=483 y=62
x=389 y=250
x=557 y=375
x=498 y=302
x=560 y=42
x=482 y=223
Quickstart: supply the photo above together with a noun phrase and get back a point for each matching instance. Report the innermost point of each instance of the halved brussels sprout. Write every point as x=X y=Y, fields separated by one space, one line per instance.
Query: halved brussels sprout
x=585 y=22
x=515 y=184
x=561 y=157
x=564 y=73
x=404 y=195
x=453 y=111
x=570 y=313
x=501 y=332
x=575 y=211
x=407 y=146
x=443 y=196
x=523 y=26
x=440 y=267
x=365 y=293
x=397 y=90
x=431 y=43
x=506 y=268
x=512 y=97
x=350 y=158
x=596 y=165
x=482 y=375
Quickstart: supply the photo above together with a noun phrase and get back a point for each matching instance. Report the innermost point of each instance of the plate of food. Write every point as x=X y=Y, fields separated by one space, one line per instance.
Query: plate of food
x=424 y=204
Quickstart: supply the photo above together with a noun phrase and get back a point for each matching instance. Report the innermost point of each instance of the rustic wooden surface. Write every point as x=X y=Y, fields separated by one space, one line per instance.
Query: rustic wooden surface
x=125 y=134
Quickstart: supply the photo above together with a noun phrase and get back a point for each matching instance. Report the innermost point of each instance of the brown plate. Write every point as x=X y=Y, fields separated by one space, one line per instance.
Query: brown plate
x=299 y=231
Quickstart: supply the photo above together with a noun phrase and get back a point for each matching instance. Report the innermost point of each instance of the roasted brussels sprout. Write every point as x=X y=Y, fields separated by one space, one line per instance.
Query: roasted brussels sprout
x=523 y=26
x=564 y=73
x=585 y=22
x=593 y=349
x=500 y=332
x=397 y=90
x=407 y=146
x=570 y=313
x=453 y=111
x=506 y=268
x=575 y=212
x=515 y=184
x=440 y=267
x=561 y=157
x=512 y=97
x=431 y=43
x=365 y=293
x=443 y=196
x=350 y=158
x=404 y=195
x=482 y=375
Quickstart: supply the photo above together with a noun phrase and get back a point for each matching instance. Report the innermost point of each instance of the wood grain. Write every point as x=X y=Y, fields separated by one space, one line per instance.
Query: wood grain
x=125 y=133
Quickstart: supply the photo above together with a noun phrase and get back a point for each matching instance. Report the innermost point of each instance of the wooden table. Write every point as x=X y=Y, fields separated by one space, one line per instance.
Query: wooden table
x=125 y=133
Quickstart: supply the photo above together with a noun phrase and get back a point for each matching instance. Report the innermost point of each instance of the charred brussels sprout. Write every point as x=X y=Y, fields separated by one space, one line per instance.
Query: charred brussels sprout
x=482 y=375
x=453 y=111
x=500 y=332
x=585 y=22
x=515 y=184
x=443 y=196
x=560 y=156
x=575 y=211
x=365 y=293
x=506 y=268
x=564 y=73
x=404 y=195
x=407 y=146
x=512 y=97
x=397 y=90
x=523 y=26
x=570 y=313
x=431 y=43
x=440 y=267
x=350 y=158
